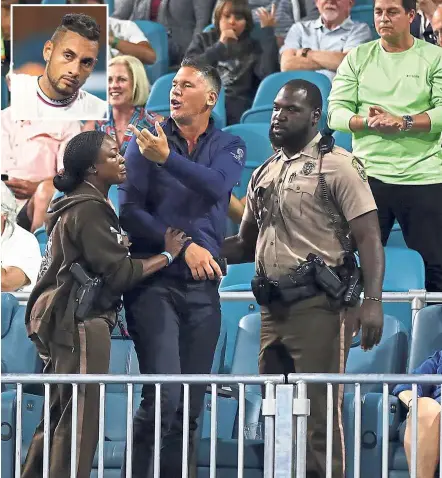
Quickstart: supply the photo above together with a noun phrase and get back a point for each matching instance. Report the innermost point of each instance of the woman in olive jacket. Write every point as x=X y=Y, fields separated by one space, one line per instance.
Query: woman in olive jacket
x=83 y=228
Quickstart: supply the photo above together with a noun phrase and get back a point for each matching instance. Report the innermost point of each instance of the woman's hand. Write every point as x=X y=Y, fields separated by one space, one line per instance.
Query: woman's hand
x=174 y=240
x=267 y=19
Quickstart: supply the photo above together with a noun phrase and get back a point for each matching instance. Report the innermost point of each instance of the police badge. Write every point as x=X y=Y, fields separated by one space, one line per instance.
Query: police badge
x=359 y=168
x=308 y=168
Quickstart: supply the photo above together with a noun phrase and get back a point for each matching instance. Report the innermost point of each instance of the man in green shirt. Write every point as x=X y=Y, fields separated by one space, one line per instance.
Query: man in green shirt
x=388 y=93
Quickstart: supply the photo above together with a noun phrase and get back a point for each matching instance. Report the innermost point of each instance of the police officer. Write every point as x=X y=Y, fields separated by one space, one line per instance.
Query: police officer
x=181 y=172
x=305 y=202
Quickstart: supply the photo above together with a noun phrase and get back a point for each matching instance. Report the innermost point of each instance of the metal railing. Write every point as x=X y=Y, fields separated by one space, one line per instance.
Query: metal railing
x=285 y=439
x=417 y=297
x=269 y=382
x=298 y=384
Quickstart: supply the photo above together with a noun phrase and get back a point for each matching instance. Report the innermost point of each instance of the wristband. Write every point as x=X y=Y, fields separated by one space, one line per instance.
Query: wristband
x=115 y=42
x=365 y=122
x=168 y=256
x=372 y=298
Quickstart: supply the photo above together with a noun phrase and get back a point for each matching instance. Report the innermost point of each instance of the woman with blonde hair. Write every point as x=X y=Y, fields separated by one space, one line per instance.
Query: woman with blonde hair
x=129 y=89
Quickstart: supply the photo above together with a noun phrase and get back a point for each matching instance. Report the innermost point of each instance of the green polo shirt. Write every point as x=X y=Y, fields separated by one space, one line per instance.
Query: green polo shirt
x=408 y=82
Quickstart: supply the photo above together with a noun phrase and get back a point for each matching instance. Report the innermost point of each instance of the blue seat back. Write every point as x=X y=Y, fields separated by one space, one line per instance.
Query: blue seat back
x=16 y=339
x=158 y=100
x=256 y=137
x=9 y=308
x=365 y=14
x=262 y=106
x=396 y=237
x=344 y=140
x=238 y=278
x=404 y=270
x=5 y=93
x=157 y=36
x=390 y=356
x=426 y=336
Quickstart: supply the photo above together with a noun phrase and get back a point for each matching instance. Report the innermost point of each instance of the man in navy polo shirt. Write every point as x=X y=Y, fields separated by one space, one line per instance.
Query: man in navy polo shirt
x=180 y=174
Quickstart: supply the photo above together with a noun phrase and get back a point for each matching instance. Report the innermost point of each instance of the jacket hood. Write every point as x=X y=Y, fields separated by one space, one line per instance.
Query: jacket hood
x=59 y=206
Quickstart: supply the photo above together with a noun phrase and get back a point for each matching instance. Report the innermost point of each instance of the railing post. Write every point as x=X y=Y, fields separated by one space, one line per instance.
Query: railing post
x=268 y=412
x=301 y=409
x=284 y=437
x=418 y=302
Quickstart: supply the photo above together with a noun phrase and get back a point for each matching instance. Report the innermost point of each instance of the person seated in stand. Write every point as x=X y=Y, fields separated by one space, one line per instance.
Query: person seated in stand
x=240 y=60
x=321 y=45
x=32 y=153
x=129 y=89
x=20 y=250
x=428 y=418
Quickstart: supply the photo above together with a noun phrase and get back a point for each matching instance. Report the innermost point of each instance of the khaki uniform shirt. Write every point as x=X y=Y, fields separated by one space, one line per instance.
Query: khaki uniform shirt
x=284 y=200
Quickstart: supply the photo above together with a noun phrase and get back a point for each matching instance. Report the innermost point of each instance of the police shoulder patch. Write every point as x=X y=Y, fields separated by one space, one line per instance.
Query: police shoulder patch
x=359 y=168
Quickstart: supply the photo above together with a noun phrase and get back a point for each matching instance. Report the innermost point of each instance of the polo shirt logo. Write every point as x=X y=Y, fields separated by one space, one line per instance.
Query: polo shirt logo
x=239 y=155
x=412 y=76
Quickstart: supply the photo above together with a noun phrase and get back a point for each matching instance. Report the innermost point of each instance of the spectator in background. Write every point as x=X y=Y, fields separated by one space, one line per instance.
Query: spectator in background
x=388 y=94
x=322 y=44
x=241 y=61
x=125 y=37
x=421 y=25
x=32 y=153
x=137 y=9
x=184 y=19
x=20 y=250
x=437 y=24
x=290 y=12
x=428 y=418
x=128 y=92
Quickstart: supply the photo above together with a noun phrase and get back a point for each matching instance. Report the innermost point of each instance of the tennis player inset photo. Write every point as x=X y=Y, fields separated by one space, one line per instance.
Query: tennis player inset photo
x=69 y=42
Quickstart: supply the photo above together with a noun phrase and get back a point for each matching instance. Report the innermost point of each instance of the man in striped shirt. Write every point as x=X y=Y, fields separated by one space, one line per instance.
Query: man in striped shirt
x=388 y=94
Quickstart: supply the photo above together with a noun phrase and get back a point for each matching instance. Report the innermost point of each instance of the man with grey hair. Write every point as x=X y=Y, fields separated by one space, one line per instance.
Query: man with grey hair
x=20 y=250
x=436 y=23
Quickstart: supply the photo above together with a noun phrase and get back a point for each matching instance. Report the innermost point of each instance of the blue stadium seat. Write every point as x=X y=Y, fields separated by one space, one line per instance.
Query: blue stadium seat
x=157 y=36
x=365 y=14
x=390 y=356
x=396 y=238
x=5 y=94
x=256 y=137
x=344 y=140
x=245 y=362
x=261 y=110
x=404 y=270
x=158 y=100
x=238 y=278
x=9 y=308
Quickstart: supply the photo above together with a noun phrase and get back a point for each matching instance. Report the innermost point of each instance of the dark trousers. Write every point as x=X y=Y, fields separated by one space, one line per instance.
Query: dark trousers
x=418 y=211
x=175 y=326
x=90 y=354
x=311 y=336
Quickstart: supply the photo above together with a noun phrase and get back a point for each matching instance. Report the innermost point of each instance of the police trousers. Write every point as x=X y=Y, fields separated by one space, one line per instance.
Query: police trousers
x=310 y=336
x=90 y=354
x=175 y=326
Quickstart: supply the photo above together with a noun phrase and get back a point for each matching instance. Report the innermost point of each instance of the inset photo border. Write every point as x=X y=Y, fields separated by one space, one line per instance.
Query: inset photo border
x=59 y=62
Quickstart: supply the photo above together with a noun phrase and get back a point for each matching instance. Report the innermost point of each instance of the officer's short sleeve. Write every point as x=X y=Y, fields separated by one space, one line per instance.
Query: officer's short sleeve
x=349 y=186
x=249 y=212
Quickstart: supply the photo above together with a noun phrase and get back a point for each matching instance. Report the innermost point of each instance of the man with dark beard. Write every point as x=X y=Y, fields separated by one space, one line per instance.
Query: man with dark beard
x=70 y=56
x=311 y=199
